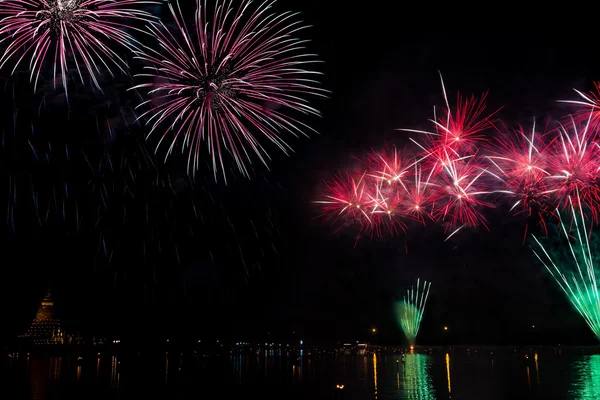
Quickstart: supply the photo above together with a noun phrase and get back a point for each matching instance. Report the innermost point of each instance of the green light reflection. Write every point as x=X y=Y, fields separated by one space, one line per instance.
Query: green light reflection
x=416 y=381
x=588 y=372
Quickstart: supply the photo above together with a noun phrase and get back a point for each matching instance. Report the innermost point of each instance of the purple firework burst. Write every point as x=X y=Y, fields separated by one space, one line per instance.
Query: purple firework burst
x=56 y=31
x=229 y=82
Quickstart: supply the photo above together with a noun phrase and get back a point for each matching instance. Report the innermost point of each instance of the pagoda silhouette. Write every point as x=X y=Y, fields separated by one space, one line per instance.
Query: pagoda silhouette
x=45 y=328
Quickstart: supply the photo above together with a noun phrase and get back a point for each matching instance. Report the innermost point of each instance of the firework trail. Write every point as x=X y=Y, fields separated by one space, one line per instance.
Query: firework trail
x=409 y=311
x=228 y=82
x=63 y=32
x=577 y=275
x=94 y=194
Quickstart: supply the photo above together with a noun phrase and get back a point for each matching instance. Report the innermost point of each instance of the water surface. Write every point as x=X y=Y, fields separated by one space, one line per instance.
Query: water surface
x=436 y=373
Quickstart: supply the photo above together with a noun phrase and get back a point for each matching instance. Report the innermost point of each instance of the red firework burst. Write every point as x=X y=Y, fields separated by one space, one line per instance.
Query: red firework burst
x=452 y=182
x=462 y=190
x=389 y=166
x=346 y=198
x=575 y=166
x=589 y=106
x=386 y=210
x=421 y=196
x=229 y=82
x=520 y=162
x=457 y=132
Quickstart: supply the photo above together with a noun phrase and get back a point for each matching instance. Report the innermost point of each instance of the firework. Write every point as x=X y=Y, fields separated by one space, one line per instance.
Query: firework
x=230 y=83
x=575 y=166
x=409 y=311
x=420 y=197
x=450 y=154
x=347 y=200
x=59 y=32
x=576 y=275
x=389 y=166
x=458 y=174
x=589 y=104
x=457 y=132
x=519 y=163
x=462 y=190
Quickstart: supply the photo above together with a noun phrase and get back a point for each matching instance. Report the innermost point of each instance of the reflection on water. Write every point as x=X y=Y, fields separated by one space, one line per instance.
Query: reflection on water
x=417 y=382
x=448 y=372
x=439 y=373
x=588 y=384
x=167 y=367
x=375 y=374
x=537 y=369
x=115 y=374
x=44 y=374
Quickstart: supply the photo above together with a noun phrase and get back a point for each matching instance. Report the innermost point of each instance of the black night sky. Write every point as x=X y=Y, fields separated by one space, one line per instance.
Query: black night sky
x=173 y=265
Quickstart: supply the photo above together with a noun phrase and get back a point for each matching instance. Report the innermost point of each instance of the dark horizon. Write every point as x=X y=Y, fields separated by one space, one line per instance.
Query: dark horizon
x=258 y=260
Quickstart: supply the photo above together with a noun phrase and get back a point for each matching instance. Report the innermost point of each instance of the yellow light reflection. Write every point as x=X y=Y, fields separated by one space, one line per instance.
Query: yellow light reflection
x=375 y=374
x=537 y=369
x=55 y=370
x=448 y=372
x=115 y=375
x=528 y=377
x=79 y=372
x=38 y=384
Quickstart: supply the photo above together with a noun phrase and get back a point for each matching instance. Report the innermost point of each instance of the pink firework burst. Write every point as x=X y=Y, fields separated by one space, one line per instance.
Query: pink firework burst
x=61 y=31
x=389 y=166
x=386 y=210
x=457 y=131
x=575 y=166
x=228 y=81
x=589 y=104
x=347 y=198
x=420 y=197
x=520 y=161
x=462 y=190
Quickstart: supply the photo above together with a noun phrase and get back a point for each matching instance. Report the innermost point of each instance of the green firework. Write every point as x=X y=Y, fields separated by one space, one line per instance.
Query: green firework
x=409 y=311
x=576 y=275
